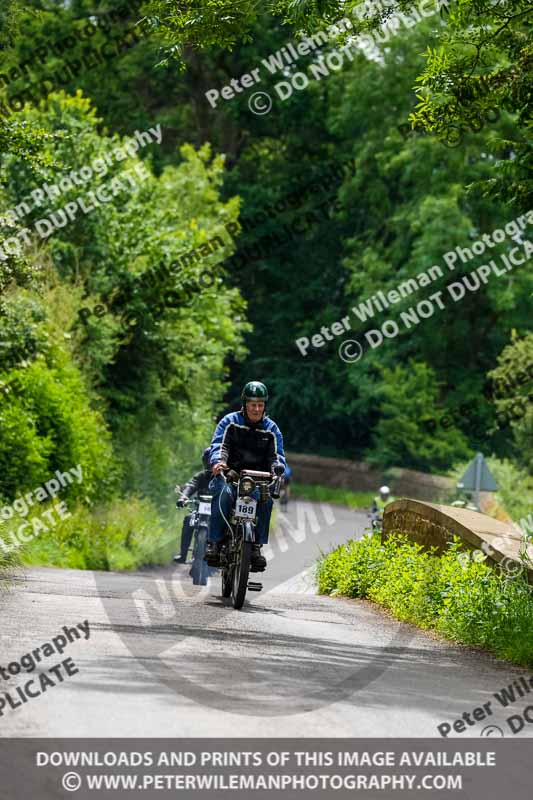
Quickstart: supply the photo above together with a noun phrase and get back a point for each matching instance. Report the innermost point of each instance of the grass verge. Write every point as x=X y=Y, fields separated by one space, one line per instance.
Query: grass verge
x=462 y=599
x=328 y=494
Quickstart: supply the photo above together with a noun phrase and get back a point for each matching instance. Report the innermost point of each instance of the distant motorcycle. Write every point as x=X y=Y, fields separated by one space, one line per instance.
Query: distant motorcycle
x=376 y=520
x=284 y=496
x=285 y=489
x=236 y=551
x=200 y=519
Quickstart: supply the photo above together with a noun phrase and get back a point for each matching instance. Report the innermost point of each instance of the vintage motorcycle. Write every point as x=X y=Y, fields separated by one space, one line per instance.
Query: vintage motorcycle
x=199 y=521
x=376 y=520
x=284 y=496
x=236 y=550
x=285 y=491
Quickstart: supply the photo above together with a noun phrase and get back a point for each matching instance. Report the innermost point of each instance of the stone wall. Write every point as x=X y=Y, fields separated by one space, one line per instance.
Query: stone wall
x=359 y=477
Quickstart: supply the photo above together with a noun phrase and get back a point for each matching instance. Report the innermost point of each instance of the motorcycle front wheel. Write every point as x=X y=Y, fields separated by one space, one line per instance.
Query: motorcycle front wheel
x=227 y=574
x=241 y=573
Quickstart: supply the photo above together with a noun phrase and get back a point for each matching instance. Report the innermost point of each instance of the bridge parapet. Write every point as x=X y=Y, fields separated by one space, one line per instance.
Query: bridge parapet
x=433 y=525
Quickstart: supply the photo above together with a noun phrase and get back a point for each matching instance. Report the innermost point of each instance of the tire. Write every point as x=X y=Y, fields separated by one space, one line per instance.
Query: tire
x=200 y=569
x=240 y=575
x=227 y=575
x=227 y=571
x=227 y=581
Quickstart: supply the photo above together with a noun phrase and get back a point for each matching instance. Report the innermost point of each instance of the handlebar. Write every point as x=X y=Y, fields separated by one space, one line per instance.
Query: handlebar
x=232 y=476
x=265 y=478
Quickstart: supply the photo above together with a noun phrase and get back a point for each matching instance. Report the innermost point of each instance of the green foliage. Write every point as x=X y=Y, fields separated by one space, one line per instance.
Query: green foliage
x=46 y=423
x=515 y=488
x=401 y=205
x=478 y=62
x=129 y=395
x=122 y=535
x=353 y=568
x=402 y=435
x=463 y=599
x=513 y=392
x=482 y=64
x=212 y=22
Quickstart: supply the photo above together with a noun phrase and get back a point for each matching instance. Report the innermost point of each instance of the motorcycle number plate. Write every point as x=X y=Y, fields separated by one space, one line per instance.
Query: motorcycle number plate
x=246 y=510
x=204 y=508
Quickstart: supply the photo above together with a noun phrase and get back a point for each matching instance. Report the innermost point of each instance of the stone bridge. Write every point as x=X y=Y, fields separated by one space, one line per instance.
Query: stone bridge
x=433 y=525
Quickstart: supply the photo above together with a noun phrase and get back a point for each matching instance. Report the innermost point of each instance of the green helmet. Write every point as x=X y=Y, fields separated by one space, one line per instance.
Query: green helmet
x=254 y=390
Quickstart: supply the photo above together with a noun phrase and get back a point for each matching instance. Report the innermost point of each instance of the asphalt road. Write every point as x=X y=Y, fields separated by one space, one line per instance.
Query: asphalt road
x=166 y=659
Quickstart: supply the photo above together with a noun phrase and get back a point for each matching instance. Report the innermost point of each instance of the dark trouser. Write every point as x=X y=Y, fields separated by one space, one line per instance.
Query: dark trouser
x=186 y=536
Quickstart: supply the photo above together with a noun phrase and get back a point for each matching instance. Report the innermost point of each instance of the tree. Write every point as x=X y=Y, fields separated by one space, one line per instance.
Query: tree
x=406 y=433
x=154 y=352
x=513 y=394
x=478 y=64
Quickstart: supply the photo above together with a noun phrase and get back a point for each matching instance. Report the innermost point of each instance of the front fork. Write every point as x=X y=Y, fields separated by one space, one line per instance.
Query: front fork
x=227 y=550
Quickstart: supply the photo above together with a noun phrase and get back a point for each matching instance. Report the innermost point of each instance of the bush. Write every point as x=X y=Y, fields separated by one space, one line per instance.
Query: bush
x=122 y=535
x=515 y=488
x=47 y=424
x=465 y=600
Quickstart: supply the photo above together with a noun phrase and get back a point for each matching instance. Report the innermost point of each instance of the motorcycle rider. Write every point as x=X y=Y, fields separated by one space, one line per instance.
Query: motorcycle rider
x=198 y=484
x=462 y=499
x=286 y=490
x=245 y=439
x=382 y=500
x=287 y=477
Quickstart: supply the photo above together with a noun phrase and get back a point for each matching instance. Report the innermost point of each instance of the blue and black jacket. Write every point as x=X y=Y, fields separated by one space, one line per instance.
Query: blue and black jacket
x=242 y=444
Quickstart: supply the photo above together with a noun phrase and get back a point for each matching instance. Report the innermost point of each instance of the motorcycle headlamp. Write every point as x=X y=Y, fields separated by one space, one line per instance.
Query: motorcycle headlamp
x=247 y=486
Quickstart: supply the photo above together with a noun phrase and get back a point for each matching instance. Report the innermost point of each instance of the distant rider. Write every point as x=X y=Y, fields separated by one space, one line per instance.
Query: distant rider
x=198 y=484
x=245 y=439
x=286 y=491
x=463 y=500
x=287 y=477
x=382 y=500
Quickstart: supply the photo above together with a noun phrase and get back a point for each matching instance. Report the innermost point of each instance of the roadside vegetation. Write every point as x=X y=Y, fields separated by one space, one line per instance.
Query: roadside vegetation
x=121 y=535
x=462 y=599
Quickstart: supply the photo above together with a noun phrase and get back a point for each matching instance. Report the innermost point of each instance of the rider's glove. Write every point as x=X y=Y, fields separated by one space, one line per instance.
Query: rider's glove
x=181 y=501
x=278 y=469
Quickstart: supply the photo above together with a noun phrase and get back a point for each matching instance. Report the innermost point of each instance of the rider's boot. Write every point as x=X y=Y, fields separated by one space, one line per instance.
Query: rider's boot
x=257 y=560
x=212 y=553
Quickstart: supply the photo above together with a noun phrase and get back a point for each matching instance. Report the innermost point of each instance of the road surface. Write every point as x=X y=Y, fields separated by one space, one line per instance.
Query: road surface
x=165 y=659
